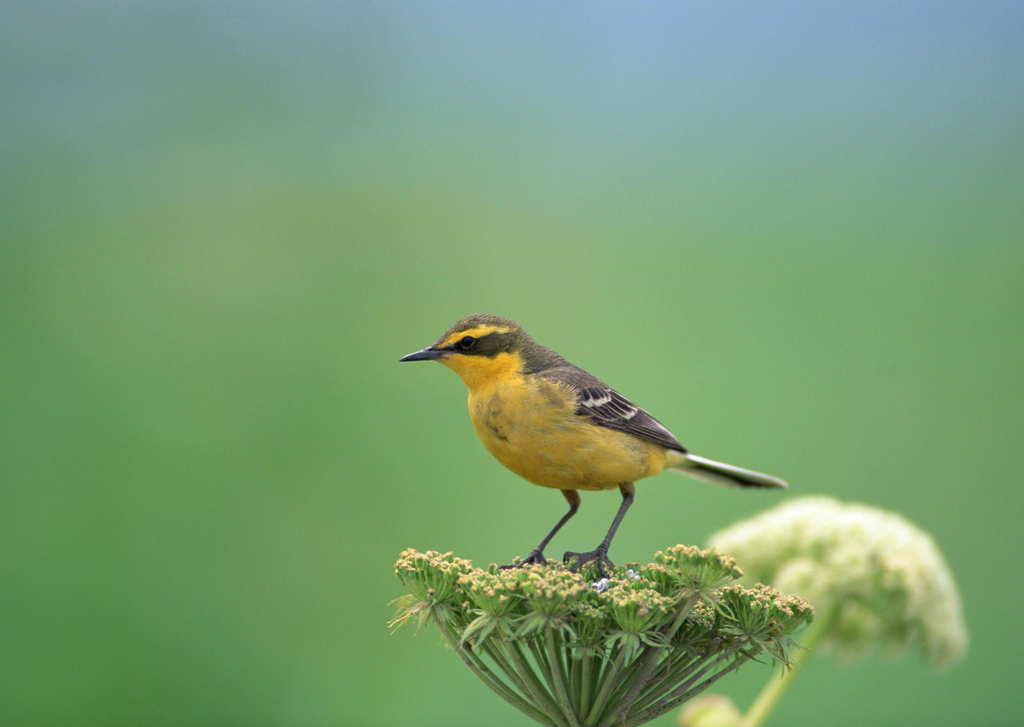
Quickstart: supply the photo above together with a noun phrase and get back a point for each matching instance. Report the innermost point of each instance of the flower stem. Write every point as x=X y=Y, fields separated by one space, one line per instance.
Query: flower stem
x=573 y=666
x=661 y=707
x=541 y=696
x=558 y=677
x=678 y=670
x=647 y=664
x=586 y=679
x=541 y=658
x=497 y=654
x=682 y=691
x=608 y=679
x=490 y=679
x=773 y=690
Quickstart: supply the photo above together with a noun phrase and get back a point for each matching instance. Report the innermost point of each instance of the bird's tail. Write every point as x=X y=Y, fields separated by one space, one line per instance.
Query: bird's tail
x=720 y=473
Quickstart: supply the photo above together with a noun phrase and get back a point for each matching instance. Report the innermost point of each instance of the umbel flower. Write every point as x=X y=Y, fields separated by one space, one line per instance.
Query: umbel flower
x=875 y=579
x=568 y=652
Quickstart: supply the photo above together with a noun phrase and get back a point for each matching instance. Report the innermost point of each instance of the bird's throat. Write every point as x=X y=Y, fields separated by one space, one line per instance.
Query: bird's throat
x=479 y=373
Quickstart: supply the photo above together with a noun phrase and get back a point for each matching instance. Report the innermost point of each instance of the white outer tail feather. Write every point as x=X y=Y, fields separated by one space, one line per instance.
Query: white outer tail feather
x=720 y=473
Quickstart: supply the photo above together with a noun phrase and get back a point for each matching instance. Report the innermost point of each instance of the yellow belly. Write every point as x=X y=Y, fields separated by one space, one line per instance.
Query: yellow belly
x=530 y=426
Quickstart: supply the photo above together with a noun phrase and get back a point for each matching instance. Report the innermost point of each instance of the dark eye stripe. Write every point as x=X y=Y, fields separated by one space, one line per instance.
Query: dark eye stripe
x=487 y=344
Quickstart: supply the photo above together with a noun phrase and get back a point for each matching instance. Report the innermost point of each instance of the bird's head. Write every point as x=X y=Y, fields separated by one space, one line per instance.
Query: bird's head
x=481 y=348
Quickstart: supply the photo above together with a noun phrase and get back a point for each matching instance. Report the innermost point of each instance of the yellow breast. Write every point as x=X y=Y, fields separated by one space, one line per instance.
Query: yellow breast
x=529 y=424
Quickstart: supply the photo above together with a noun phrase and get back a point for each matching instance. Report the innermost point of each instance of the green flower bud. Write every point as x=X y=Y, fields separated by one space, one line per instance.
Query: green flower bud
x=432 y=575
x=710 y=710
x=495 y=594
x=685 y=571
x=763 y=615
x=637 y=611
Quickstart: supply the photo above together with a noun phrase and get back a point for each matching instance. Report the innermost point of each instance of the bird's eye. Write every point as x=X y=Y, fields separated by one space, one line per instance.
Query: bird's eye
x=466 y=343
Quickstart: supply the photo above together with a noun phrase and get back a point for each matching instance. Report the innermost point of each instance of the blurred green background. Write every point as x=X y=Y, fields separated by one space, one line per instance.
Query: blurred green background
x=792 y=232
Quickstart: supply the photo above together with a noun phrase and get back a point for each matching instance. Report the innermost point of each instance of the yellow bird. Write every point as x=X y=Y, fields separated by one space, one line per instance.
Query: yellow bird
x=557 y=426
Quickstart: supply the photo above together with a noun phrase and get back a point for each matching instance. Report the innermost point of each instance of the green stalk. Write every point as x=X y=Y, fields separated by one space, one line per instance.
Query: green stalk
x=536 y=688
x=607 y=683
x=496 y=652
x=681 y=692
x=573 y=666
x=490 y=679
x=542 y=660
x=677 y=672
x=660 y=708
x=647 y=664
x=776 y=686
x=586 y=678
x=558 y=677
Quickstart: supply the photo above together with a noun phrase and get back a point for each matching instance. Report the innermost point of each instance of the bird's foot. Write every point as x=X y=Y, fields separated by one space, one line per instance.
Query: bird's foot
x=535 y=557
x=598 y=557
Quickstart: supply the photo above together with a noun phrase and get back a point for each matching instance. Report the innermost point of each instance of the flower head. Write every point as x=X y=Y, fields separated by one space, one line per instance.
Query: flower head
x=620 y=651
x=432 y=575
x=637 y=610
x=495 y=594
x=764 y=616
x=882 y=578
x=685 y=571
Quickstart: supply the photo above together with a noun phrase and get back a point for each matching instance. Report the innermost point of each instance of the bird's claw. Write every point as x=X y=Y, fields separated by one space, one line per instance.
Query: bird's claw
x=598 y=557
x=535 y=557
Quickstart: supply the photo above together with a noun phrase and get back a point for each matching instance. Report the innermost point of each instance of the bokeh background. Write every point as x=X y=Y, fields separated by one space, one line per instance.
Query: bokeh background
x=793 y=231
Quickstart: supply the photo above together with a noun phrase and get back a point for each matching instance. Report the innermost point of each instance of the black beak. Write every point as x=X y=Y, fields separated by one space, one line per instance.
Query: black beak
x=424 y=354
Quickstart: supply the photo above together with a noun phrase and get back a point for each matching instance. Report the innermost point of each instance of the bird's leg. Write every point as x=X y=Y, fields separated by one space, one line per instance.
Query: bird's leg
x=600 y=554
x=537 y=554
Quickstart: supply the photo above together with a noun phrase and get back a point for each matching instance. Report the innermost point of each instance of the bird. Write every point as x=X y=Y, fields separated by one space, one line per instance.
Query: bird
x=557 y=426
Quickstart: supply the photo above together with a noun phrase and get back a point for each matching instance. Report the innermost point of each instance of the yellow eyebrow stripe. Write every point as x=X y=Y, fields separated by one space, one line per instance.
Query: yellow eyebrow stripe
x=478 y=332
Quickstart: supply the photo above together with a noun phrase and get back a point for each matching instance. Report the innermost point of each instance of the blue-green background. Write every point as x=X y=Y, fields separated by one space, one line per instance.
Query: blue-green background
x=791 y=230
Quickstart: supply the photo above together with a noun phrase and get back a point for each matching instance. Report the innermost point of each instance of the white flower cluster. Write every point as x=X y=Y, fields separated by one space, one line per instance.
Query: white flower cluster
x=882 y=578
